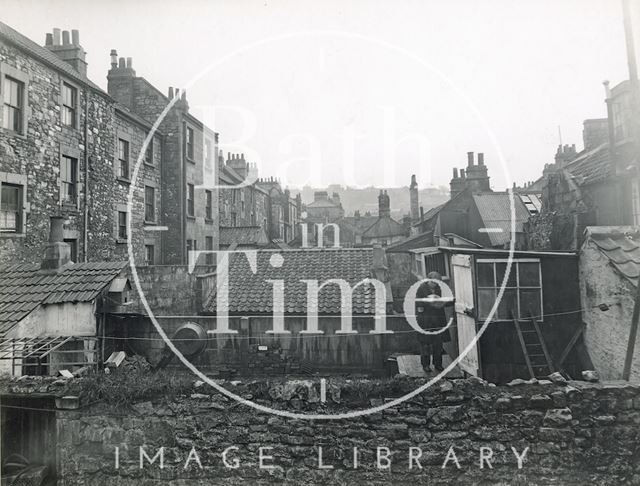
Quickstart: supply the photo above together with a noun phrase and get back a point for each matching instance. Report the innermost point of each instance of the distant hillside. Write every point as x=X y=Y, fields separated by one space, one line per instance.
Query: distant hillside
x=367 y=199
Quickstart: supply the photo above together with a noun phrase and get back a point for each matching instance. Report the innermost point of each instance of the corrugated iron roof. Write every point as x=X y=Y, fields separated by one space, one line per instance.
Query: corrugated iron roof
x=45 y=55
x=495 y=210
x=250 y=292
x=23 y=287
x=621 y=245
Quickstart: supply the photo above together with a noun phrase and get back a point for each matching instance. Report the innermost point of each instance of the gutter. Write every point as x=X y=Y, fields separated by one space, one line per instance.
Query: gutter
x=86 y=177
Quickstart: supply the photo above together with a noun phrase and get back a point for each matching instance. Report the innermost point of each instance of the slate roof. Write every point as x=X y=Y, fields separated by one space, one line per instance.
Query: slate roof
x=621 y=245
x=23 y=287
x=250 y=293
x=591 y=166
x=495 y=211
x=421 y=240
x=44 y=55
x=243 y=236
x=383 y=227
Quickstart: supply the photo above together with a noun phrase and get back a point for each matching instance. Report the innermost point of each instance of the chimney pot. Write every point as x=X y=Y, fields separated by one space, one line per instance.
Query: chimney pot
x=56 y=37
x=470 y=159
x=121 y=63
x=49 y=40
x=75 y=37
x=114 y=58
x=129 y=62
x=461 y=173
x=65 y=38
x=455 y=172
x=170 y=93
x=480 y=158
x=184 y=95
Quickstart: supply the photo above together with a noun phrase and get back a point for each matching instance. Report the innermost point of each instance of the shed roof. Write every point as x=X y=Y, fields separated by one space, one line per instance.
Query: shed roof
x=23 y=287
x=250 y=292
x=243 y=236
x=621 y=245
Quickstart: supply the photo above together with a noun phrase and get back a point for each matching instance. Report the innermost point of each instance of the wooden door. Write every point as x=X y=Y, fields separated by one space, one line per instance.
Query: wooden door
x=463 y=288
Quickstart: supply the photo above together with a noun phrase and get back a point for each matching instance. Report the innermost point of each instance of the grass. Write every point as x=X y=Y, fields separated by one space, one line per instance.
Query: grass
x=124 y=387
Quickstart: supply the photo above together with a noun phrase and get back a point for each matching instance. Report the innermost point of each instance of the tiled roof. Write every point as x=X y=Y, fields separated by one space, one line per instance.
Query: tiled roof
x=23 y=287
x=591 y=166
x=44 y=55
x=243 y=236
x=383 y=227
x=495 y=212
x=621 y=245
x=250 y=292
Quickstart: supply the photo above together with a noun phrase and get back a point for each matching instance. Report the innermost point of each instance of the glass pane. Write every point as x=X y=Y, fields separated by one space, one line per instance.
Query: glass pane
x=530 y=303
x=485 y=275
x=529 y=274
x=508 y=306
x=10 y=197
x=500 y=270
x=486 y=298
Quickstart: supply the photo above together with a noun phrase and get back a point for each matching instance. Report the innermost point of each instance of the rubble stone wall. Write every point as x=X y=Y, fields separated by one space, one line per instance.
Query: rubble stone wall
x=573 y=433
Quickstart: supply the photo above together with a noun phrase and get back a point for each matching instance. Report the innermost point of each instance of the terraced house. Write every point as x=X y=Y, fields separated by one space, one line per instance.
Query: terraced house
x=67 y=148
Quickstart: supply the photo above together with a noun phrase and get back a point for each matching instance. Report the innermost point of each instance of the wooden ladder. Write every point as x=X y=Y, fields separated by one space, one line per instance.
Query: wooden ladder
x=534 y=348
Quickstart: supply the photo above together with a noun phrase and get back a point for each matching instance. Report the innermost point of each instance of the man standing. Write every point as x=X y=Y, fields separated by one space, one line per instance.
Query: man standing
x=431 y=316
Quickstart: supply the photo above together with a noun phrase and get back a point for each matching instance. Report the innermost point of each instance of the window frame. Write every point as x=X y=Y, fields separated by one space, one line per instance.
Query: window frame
x=148 y=246
x=149 y=154
x=191 y=200
x=20 y=181
x=24 y=78
x=120 y=161
x=189 y=143
x=208 y=216
x=208 y=246
x=18 y=213
x=497 y=285
x=64 y=201
x=120 y=237
x=75 y=108
x=147 y=204
x=73 y=247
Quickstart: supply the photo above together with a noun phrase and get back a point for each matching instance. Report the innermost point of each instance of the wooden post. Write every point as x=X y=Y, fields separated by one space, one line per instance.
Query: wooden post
x=633 y=334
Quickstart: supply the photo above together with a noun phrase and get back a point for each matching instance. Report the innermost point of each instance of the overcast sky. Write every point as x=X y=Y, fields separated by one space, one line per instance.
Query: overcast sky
x=354 y=87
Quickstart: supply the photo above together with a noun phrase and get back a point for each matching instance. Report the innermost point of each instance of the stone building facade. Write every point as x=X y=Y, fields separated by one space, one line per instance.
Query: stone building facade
x=58 y=153
x=189 y=169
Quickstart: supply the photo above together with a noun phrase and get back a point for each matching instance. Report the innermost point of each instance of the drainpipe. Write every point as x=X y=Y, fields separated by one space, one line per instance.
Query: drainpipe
x=86 y=177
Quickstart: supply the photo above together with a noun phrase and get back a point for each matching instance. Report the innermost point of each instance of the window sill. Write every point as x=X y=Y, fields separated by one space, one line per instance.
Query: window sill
x=190 y=159
x=13 y=133
x=124 y=180
x=151 y=166
x=9 y=234
x=150 y=223
x=69 y=207
x=208 y=220
x=190 y=217
x=121 y=241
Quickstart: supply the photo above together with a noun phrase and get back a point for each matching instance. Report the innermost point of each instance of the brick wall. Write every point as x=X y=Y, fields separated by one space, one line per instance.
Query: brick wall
x=576 y=433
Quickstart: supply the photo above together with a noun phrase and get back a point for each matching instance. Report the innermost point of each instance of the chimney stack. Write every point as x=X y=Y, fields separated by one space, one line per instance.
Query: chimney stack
x=57 y=254
x=70 y=50
x=470 y=159
x=480 y=158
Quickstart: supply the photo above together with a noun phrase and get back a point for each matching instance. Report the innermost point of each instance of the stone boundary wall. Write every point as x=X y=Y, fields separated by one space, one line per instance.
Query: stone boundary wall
x=576 y=433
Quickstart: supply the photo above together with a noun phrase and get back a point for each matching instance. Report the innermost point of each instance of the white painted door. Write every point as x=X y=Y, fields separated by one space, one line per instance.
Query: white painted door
x=463 y=287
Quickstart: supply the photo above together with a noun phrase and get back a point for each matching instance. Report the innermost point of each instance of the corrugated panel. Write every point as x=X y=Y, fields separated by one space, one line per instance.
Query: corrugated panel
x=495 y=211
